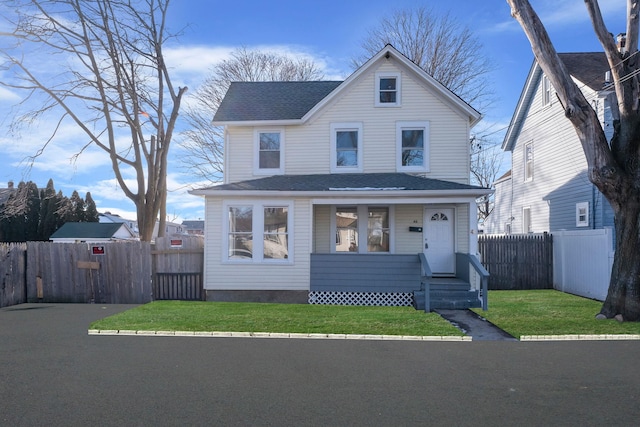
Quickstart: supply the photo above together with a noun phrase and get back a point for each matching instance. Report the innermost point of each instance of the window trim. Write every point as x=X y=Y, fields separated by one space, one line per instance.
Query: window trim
x=256 y=151
x=258 y=230
x=363 y=228
x=585 y=222
x=383 y=75
x=345 y=126
x=528 y=172
x=413 y=125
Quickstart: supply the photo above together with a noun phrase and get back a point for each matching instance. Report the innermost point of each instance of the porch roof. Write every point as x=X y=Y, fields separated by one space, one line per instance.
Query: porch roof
x=347 y=183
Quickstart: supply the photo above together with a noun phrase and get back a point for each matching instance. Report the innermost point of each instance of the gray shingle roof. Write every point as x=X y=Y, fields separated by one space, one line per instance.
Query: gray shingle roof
x=254 y=101
x=588 y=67
x=343 y=182
x=83 y=230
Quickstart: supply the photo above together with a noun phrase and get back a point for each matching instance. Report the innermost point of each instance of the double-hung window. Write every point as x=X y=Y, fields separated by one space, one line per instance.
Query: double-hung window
x=412 y=139
x=269 y=149
x=582 y=214
x=388 y=90
x=346 y=147
x=258 y=232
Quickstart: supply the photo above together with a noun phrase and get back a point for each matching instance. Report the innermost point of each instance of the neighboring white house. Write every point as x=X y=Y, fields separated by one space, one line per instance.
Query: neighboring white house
x=337 y=187
x=92 y=232
x=548 y=187
x=171 y=228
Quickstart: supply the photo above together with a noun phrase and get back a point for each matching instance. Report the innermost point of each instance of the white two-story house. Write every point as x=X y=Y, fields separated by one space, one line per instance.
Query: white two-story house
x=333 y=189
x=548 y=187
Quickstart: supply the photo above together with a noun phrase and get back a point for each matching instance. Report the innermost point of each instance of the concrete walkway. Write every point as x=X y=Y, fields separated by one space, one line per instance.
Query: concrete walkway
x=476 y=327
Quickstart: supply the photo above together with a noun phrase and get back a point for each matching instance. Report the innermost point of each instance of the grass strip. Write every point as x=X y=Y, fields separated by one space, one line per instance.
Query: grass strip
x=550 y=312
x=278 y=318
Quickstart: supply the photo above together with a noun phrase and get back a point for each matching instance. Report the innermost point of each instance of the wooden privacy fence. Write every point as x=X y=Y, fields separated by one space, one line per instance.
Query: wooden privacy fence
x=128 y=272
x=104 y=273
x=178 y=263
x=13 y=264
x=518 y=261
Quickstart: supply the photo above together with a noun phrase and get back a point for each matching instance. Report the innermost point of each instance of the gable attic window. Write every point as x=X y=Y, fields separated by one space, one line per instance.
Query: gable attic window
x=388 y=87
x=268 y=152
x=346 y=147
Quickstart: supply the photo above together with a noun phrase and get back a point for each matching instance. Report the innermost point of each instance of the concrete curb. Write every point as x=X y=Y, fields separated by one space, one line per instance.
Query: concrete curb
x=604 y=337
x=105 y=332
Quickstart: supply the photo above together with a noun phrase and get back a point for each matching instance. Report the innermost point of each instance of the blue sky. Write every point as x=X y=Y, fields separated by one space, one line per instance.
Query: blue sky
x=329 y=32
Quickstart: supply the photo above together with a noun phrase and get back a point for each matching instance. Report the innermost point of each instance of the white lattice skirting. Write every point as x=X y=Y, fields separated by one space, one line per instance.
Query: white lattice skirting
x=361 y=298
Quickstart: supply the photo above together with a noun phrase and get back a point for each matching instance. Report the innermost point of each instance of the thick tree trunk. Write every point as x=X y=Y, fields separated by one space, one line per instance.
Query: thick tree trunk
x=623 y=297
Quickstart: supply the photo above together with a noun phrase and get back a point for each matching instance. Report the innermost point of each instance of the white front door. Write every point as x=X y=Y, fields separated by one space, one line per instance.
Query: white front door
x=438 y=240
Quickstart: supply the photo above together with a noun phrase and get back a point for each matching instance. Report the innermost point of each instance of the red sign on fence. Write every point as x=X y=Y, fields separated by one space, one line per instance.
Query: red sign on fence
x=176 y=243
x=97 y=250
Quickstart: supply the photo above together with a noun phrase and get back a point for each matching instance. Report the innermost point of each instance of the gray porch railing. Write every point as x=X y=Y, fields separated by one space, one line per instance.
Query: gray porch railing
x=463 y=262
x=422 y=300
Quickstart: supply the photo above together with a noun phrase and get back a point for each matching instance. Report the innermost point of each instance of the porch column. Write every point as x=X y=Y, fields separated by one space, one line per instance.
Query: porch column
x=473 y=227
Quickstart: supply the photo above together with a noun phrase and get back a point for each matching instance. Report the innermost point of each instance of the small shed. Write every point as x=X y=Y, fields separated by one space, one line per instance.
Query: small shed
x=92 y=232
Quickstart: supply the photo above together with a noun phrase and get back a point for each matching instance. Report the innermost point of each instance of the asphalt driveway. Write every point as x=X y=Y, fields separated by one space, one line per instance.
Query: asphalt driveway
x=53 y=373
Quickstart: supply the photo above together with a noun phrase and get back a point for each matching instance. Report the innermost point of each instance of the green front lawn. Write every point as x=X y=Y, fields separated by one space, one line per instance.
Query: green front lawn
x=550 y=312
x=278 y=318
x=540 y=312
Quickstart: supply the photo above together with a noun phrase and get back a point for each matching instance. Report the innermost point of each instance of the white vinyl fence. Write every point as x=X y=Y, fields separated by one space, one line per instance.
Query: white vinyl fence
x=582 y=262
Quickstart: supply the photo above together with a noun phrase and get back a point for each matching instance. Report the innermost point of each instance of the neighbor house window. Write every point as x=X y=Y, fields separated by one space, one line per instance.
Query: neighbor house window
x=546 y=91
x=528 y=161
x=246 y=223
x=269 y=146
x=387 y=89
x=363 y=229
x=346 y=143
x=526 y=220
x=412 y=146
x=582 y=214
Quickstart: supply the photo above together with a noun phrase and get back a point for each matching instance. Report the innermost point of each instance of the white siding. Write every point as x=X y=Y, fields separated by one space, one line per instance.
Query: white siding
x=408 y=242
x=307 y=147
x=559 y=177
x=497 y=221
x=225 y=276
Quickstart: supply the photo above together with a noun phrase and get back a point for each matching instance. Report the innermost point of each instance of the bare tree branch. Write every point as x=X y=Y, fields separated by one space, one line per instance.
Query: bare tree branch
x=116 y=74
x=205 y=142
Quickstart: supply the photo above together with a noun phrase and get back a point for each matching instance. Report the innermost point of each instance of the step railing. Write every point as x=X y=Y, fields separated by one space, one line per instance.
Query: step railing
x=465 y=263
x=422 y=298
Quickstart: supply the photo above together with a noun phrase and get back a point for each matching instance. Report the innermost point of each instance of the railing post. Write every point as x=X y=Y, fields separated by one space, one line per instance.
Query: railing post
x=425 y=282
